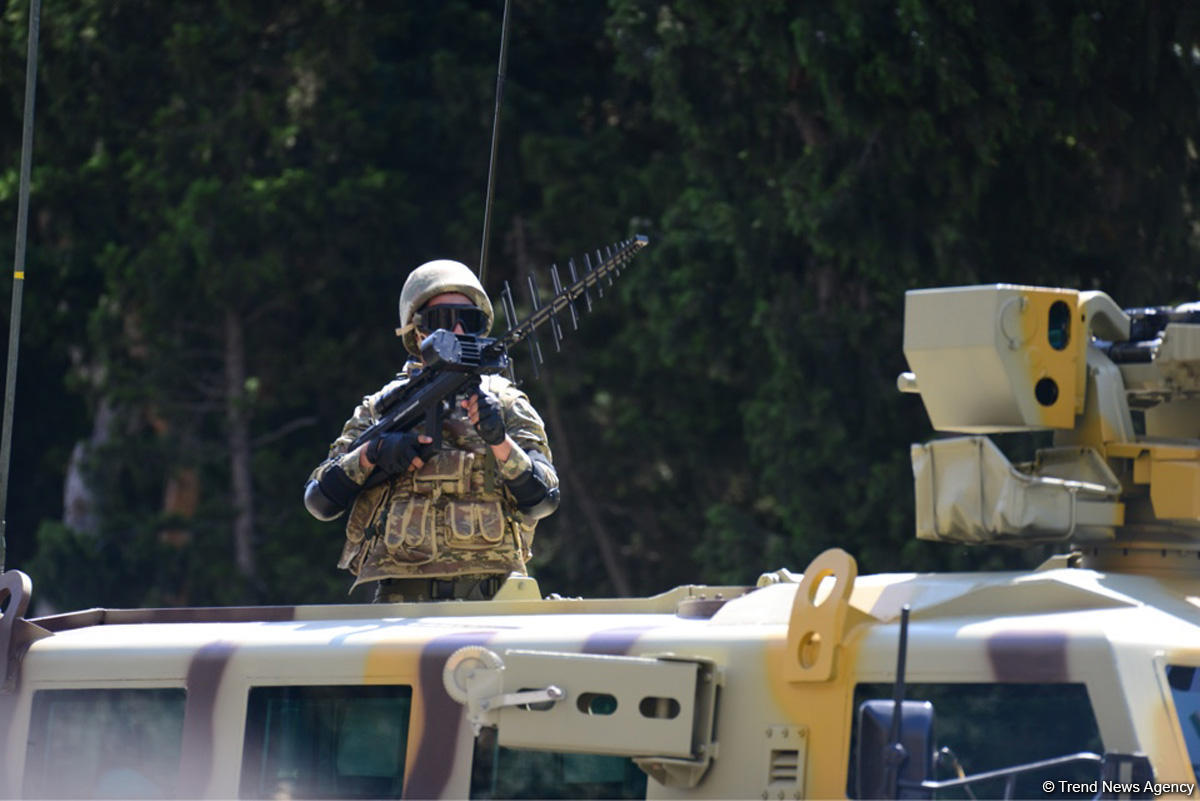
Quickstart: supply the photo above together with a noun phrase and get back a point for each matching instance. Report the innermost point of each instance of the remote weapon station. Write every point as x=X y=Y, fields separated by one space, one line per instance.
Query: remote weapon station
x=1077 y=679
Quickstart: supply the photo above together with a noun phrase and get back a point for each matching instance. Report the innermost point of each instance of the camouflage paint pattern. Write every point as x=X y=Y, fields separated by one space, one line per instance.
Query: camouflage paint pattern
x=1112 y=633
x=452 y=517
x=199 y=725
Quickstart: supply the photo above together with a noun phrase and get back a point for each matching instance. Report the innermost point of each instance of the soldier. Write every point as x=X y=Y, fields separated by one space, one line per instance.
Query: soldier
x=450 y=523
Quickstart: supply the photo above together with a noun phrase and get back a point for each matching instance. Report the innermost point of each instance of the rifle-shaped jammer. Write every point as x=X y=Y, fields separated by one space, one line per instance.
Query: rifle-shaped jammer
x=454 y=362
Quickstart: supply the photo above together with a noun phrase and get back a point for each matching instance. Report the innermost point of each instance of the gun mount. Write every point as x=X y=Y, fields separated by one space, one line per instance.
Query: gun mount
x=1119 y=389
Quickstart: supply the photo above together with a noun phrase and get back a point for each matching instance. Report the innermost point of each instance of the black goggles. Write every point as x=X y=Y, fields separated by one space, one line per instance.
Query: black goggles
x=448 y=315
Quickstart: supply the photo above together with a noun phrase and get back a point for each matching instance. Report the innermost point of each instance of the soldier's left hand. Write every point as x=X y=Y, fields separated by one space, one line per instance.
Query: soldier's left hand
x=483 y=409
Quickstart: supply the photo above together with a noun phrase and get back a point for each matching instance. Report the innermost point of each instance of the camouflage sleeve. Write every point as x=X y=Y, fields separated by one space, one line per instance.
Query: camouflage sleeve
x=526 y=428
x=339 y=451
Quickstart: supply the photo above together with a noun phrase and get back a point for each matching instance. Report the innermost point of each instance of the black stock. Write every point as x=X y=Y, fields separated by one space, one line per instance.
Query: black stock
x=455 y=362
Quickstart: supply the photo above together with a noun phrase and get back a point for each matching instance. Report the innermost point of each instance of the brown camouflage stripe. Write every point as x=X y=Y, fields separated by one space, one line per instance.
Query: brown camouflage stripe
x=203 y=681
x=614 y=642
x=1029 y=657
x=430 y=771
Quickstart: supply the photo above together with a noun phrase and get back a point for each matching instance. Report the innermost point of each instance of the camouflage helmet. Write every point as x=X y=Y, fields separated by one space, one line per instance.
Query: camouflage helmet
x=431 y=279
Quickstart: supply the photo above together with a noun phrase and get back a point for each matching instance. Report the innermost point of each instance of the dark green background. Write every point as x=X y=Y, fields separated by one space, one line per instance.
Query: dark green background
x=228 y=195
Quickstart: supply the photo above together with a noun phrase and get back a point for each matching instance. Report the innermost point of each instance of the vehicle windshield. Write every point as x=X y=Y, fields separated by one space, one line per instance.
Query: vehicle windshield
x=992 y=726
x=1185 y=691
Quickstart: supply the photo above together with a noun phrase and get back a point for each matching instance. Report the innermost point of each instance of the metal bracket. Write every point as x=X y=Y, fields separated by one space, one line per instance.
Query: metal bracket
x=815 y=627
x=659 y=710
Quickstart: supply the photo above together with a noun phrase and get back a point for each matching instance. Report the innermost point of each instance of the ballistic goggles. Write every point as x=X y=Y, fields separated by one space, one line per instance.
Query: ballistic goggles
x=448 y=315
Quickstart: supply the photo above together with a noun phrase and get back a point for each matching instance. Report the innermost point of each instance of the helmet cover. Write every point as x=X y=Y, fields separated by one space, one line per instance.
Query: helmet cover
x=435 y=278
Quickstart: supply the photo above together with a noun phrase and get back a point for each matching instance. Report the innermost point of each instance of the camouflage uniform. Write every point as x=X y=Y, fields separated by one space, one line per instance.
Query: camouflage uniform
x=452 y=518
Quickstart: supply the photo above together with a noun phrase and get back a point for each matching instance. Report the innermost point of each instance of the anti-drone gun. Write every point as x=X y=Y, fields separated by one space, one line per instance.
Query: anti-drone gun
x=1120 y=389
x=454 y=363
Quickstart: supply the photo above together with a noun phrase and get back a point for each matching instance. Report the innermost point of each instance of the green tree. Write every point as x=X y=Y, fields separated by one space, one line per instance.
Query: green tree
x=830 y=157
x=263 y=167
x=227 y=199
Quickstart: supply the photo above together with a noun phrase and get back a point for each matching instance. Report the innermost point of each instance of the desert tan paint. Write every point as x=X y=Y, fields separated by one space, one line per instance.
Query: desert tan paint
x=810 y=669
x=977 y=354
x=1110 y=625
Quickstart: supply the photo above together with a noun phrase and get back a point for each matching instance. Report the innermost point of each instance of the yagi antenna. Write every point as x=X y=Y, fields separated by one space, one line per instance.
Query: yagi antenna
x=558 y=288
x=587 y=298
x=14 y=326
x=487 y=203
x=587 y=271
x=510 y=319
x=564 y=300
x=535 y=347
x=599 y=260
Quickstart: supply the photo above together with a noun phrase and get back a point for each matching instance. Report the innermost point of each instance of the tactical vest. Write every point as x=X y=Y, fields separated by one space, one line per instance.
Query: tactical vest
x=452 y=517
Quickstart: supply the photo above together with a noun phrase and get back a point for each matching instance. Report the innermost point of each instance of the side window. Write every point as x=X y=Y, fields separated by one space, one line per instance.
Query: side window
x=104 y=743
x=326 y=741
x=498 y=772
x=993 y=726
x=1185 y=691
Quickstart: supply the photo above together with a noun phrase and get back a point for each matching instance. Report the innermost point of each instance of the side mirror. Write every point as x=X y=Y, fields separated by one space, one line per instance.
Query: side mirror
x=875 y=759
x=1126 y=776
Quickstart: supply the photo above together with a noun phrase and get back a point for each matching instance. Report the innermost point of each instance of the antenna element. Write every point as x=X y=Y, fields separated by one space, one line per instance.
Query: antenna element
x=487 y=203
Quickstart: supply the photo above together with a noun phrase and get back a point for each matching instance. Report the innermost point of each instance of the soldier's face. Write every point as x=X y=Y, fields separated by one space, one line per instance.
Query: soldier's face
x=447 y=298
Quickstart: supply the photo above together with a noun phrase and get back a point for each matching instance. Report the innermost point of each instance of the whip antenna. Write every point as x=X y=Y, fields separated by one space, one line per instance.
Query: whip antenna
x=487 y=203
x=14 y=323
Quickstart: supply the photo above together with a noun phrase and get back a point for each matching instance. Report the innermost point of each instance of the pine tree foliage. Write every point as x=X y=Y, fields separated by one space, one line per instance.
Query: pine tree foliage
x=227 y=197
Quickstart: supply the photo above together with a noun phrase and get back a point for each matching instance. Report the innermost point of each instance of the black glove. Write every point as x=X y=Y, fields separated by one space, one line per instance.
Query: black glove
x=394 y=453
x=491 y=422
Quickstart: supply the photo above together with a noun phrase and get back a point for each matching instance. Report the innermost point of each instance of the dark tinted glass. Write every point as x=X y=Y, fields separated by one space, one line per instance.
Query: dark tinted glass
x=993 y=726
x=1058 y=328
x=1185 y=692
x=104 y=743
x=447 y=316
x=326 y=742
x=513 y=773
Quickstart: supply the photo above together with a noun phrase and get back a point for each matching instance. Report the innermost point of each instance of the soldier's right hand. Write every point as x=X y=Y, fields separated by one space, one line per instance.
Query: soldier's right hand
x=398 y=452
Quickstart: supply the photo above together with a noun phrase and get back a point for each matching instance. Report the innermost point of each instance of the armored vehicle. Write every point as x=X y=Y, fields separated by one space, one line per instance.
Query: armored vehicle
x=1077 y=679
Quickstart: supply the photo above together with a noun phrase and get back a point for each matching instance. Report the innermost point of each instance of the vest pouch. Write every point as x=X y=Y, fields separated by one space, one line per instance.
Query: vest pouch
x=362 y=514
x=447 y=472
x=409 y=530
x=474 y=525
x=363 y=511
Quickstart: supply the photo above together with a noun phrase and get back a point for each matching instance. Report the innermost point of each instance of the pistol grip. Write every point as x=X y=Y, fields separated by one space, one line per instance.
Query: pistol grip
x=433 y=424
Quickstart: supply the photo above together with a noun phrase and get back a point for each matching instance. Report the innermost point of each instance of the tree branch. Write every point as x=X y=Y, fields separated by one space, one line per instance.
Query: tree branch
x=282 y=431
